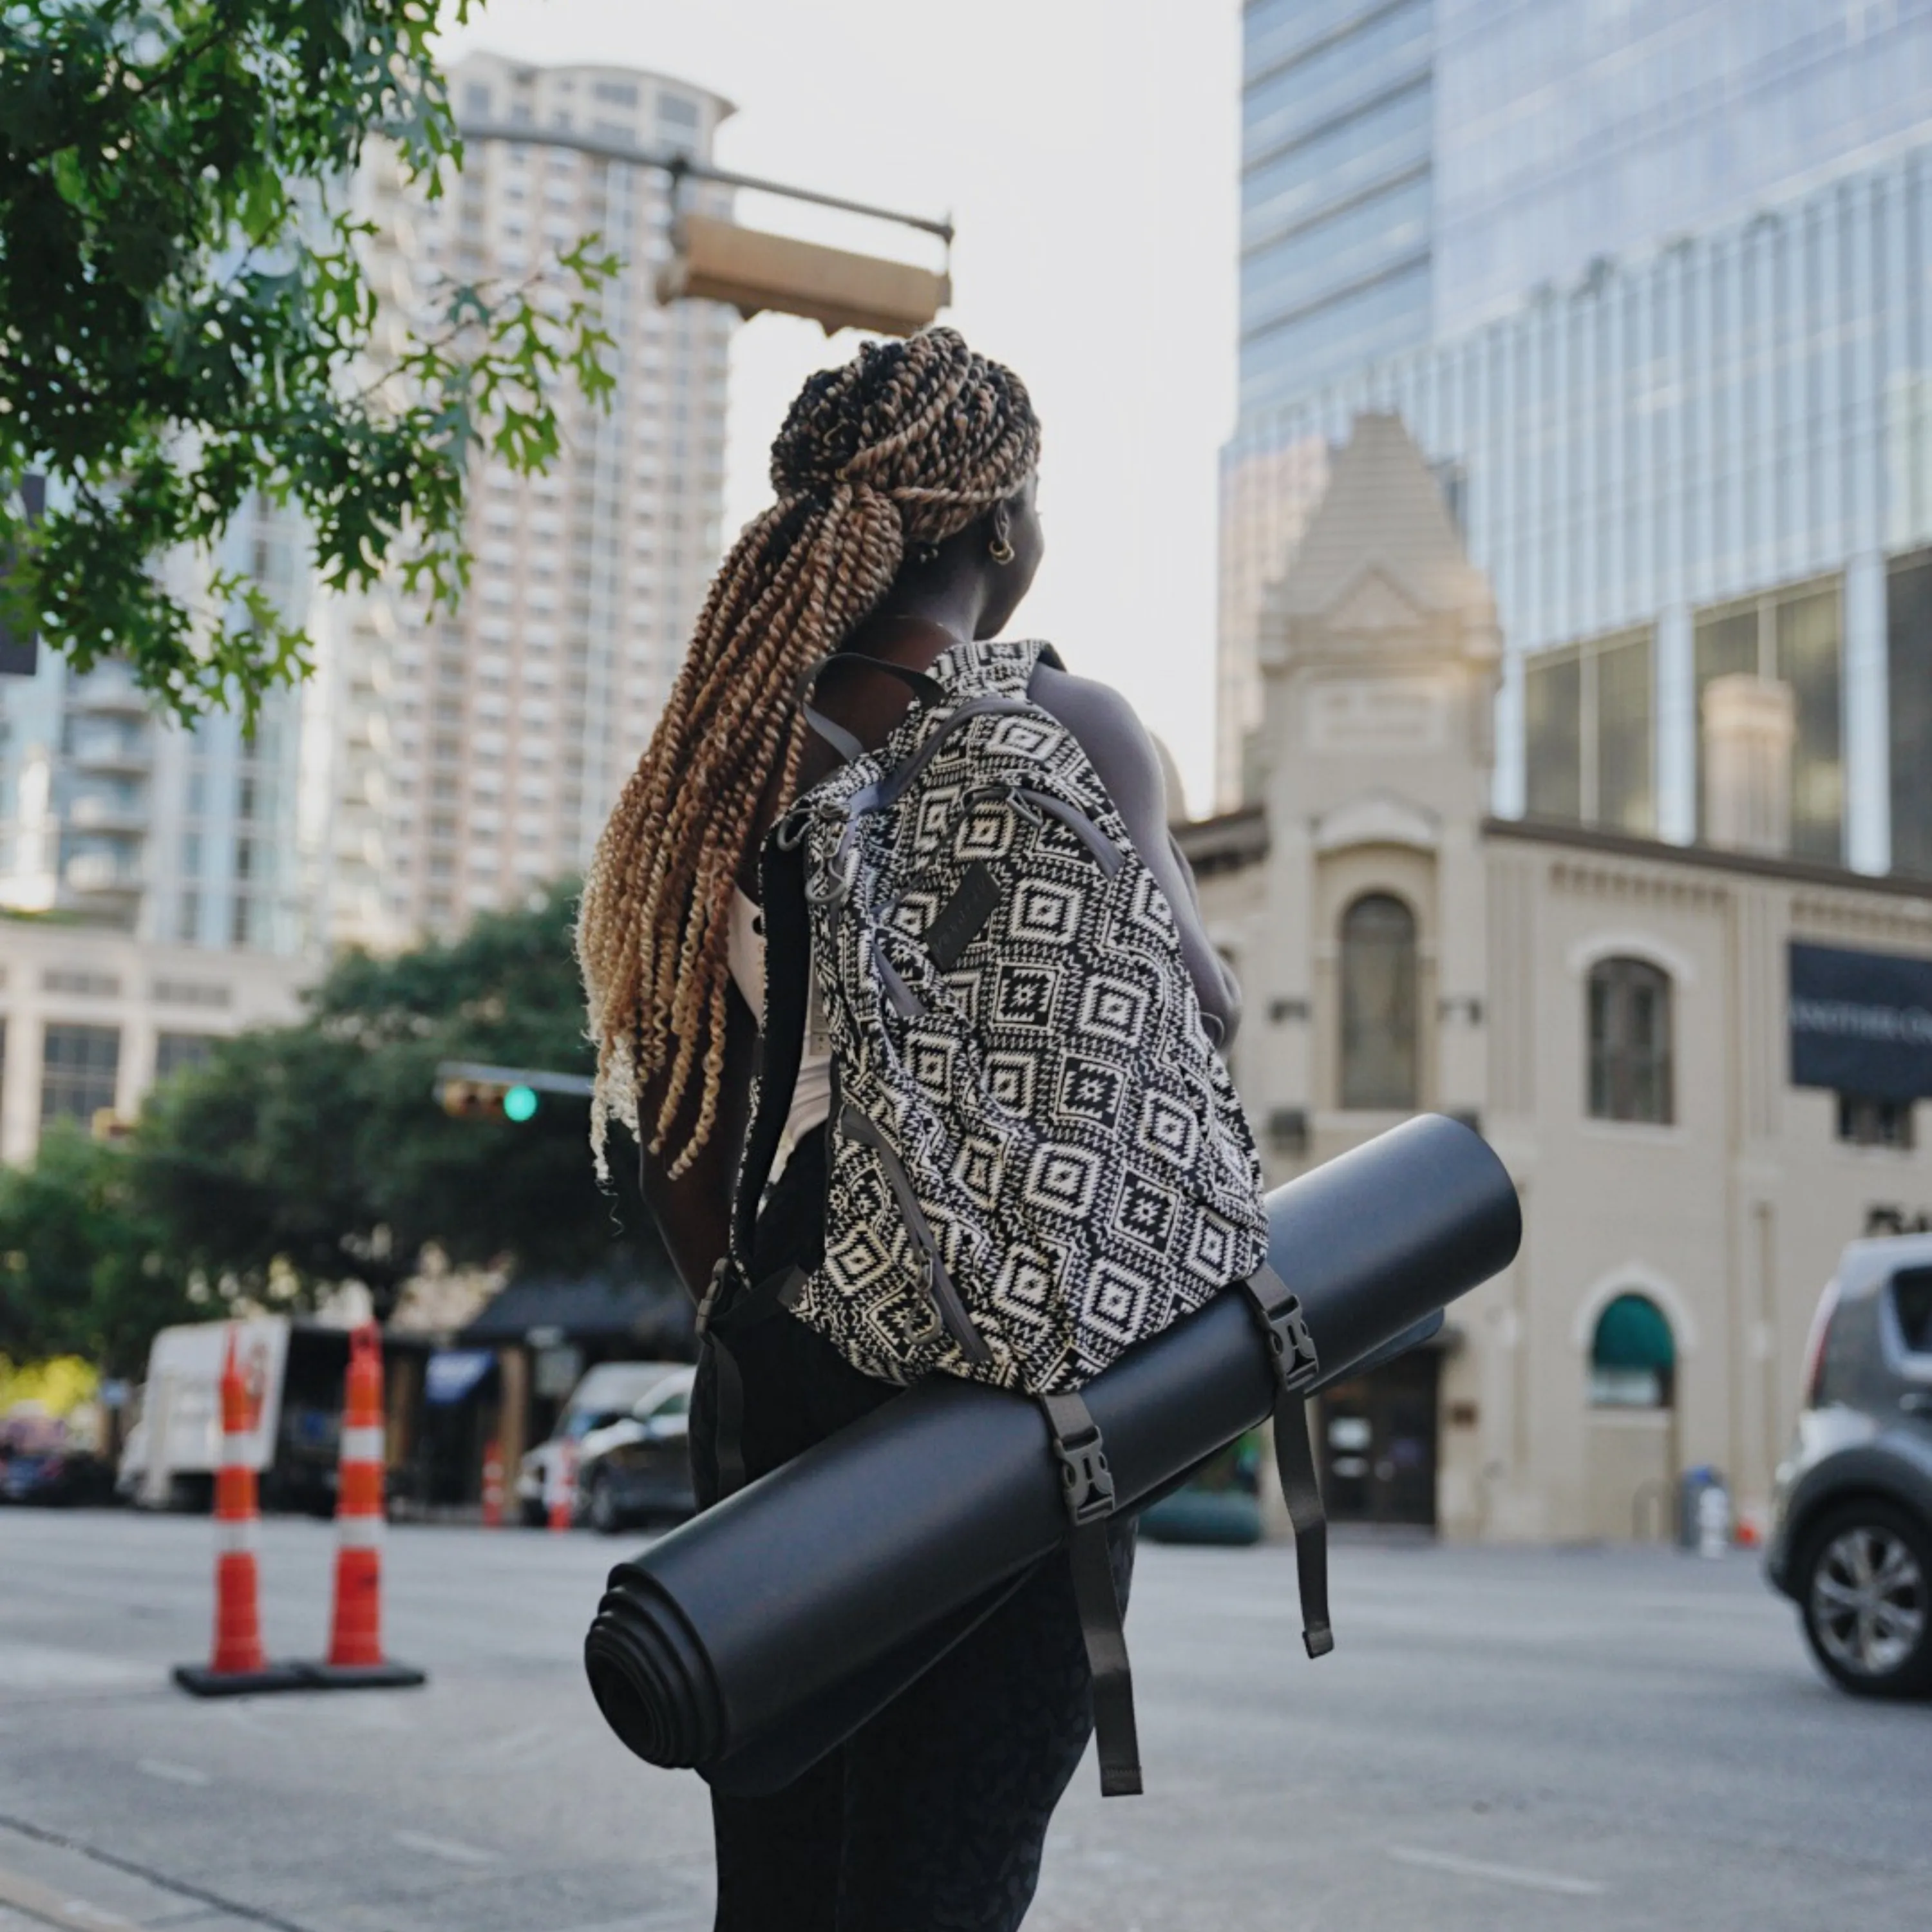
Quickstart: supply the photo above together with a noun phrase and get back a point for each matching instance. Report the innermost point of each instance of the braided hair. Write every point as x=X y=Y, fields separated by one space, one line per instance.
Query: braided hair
x=897 y=450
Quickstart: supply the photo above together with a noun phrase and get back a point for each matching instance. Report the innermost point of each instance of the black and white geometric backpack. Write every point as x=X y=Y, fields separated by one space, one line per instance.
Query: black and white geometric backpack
x=1037 y=1157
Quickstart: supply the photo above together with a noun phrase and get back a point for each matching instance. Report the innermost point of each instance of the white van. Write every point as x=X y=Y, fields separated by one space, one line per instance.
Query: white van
x=294 y=1370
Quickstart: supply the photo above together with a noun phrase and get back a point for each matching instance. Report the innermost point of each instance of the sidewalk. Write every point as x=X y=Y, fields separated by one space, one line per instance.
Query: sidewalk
x=46 y=1880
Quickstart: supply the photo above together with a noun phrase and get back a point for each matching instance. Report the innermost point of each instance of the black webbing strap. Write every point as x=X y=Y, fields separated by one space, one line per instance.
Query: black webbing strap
x=928 y=690
x=1088 y=1485
x=1298 y=1367
x=722 y=1316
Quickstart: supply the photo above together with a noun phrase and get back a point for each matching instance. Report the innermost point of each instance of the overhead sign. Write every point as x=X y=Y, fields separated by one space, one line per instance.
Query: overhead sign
x=1862 y=1022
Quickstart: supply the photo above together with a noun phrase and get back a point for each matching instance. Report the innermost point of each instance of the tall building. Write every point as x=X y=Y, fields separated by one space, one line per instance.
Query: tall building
x=1337 y=140
x=168 y=884
x=1668 y=365
x=470 y=758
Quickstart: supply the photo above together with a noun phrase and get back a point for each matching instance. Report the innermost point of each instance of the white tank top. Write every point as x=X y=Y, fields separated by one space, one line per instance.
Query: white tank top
x=811 y=1097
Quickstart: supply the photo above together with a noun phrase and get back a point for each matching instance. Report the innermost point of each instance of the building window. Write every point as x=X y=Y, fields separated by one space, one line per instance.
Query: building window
x=1633 y=1356
x=1379 y=1003
x=1589 y=727
x=1629 y=1042
x=79 y=1065
x=1865 y=1122
x=1794 y=636
x=174 y=1050
x=1908 y=699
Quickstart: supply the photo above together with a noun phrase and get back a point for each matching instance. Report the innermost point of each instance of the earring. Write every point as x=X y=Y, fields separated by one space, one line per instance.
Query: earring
x=999 y=550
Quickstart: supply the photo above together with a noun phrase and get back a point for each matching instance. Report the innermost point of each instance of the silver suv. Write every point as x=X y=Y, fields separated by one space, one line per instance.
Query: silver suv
x=1851 y=1541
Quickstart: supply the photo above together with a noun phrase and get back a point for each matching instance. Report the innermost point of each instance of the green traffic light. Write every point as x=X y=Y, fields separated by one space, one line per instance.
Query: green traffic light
x=520 y=1103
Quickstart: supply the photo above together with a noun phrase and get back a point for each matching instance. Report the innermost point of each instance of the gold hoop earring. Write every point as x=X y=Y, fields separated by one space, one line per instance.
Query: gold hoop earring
x=1000 y=550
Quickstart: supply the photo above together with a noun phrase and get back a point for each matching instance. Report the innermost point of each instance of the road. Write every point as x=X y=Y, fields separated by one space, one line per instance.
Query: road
x=1504 y=1739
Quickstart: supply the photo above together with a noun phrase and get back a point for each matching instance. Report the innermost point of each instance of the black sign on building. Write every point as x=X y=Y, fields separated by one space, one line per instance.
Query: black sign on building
x=1862 y=1022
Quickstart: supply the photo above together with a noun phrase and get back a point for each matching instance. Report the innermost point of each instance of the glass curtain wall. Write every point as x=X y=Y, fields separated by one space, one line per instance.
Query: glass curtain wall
x=1744 y=409
x=1909 y=664
x=1589 y=723
x=1337 y=119
x=1795 y=636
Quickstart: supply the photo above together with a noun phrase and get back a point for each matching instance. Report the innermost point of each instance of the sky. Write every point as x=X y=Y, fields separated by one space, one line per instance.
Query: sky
x=1087 y=151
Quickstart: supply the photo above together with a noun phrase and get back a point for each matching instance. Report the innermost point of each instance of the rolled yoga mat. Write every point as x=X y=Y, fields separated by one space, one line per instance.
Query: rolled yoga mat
x=760 y=1634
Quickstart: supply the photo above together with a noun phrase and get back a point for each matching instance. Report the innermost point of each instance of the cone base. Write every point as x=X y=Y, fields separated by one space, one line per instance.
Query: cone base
x=198 y=1680
x=361 y=1676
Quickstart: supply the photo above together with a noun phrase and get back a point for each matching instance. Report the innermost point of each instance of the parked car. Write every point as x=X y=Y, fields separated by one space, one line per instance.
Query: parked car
x=609 y=1393
x=42 y=1460
x=638 y=1469
x=1851 y=1539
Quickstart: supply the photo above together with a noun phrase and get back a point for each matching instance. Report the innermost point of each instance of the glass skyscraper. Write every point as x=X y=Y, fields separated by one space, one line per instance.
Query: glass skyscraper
x=1336 y=137
x=1679 y=377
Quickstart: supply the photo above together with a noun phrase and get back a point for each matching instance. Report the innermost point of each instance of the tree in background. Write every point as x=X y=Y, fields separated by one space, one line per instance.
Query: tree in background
x=188 y=325
x=318 y=1149
x=85 y=1268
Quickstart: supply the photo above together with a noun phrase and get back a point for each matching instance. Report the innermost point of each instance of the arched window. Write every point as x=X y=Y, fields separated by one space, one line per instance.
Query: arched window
x=1378 y=1002
x=1629 y=1042
x=1633 y=1356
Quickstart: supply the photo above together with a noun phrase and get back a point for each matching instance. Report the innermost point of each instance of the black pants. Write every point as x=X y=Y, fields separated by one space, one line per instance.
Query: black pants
x=932 y=1817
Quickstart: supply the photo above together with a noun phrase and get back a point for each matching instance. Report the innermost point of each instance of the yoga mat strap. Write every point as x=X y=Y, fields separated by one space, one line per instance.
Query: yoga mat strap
x=1298 y=1368
x=1087 y=1487
x=723 y=1314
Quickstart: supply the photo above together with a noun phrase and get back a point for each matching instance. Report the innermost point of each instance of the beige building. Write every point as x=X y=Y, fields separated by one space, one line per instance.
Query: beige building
x=1610 y=1009
x=458 y=762
x=90 y=1018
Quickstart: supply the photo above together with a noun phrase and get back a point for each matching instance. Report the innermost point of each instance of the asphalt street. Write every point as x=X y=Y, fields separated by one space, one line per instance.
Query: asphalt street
x=1504 y=1739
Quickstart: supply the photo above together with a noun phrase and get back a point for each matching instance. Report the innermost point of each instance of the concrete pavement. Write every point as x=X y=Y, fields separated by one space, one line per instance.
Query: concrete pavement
x=1503 y=1738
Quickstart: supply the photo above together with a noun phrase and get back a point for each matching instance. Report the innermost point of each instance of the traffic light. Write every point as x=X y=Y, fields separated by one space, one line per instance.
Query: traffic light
x=718 y=261
x=476 y=1089
x=472 y=1100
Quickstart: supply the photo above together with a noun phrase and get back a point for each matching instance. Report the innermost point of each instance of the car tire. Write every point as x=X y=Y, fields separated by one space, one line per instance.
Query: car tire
x=605 y=1516
x=1864 y=1597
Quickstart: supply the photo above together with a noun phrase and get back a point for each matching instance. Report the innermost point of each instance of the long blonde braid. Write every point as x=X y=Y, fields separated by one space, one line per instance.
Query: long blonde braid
x=904 y=445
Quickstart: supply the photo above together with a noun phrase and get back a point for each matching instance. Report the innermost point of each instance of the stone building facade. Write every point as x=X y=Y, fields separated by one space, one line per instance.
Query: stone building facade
x=1612 y=1011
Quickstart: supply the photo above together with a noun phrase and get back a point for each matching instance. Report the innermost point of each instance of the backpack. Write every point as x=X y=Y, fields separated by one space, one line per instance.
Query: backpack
x=1037 y=1158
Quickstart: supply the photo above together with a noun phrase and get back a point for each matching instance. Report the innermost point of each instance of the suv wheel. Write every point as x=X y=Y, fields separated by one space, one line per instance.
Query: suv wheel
x=1866 y=1599
x=605 y=1518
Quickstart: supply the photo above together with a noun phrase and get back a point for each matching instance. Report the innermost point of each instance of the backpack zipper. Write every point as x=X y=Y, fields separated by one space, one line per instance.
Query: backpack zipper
x=948 y=1311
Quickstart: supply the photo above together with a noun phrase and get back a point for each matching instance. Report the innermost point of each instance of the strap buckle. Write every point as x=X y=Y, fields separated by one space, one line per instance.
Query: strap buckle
x=722 y=1274
x=1086 y=1480
x=1297 y=1366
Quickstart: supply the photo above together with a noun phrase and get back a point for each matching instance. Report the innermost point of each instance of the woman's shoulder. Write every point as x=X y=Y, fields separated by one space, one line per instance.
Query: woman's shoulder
x=1110 y=732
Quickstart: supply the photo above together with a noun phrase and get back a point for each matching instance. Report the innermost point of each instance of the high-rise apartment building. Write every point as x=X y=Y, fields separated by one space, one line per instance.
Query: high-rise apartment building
x=433 y=766
x=472 y=758
x=1670 y=376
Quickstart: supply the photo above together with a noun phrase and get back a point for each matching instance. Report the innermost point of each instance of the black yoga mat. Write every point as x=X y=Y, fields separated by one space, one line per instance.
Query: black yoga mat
x=758 y=1635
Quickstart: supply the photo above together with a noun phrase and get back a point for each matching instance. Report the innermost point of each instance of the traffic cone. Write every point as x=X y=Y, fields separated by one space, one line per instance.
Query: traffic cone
x=560 y=1486
x=356 y=1660
x=238 y=1665
x=492 y=1484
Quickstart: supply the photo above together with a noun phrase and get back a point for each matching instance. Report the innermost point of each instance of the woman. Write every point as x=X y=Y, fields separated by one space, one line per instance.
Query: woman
x=906 y=523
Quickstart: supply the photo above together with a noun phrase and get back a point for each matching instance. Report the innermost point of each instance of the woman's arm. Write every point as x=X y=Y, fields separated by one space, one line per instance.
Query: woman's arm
x=693 y=1212
x=1112 y=735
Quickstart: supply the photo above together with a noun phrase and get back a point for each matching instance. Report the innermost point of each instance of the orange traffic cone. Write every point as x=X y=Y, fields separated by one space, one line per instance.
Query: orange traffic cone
x=493 y=1485
x=356 y=1660
x=560 y=1486
x=238 y=1664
